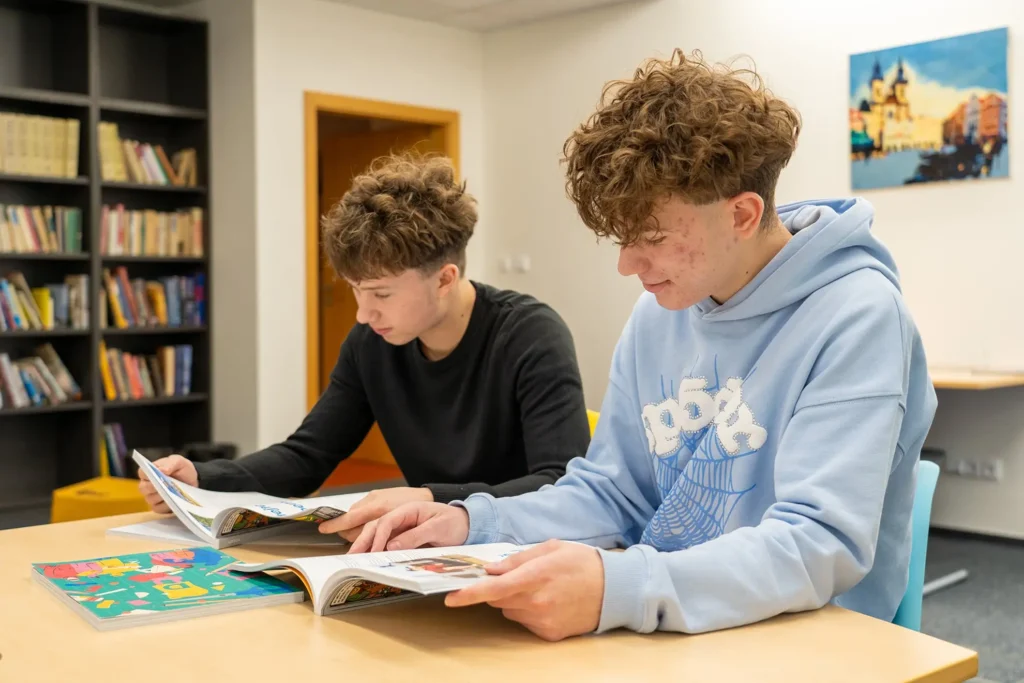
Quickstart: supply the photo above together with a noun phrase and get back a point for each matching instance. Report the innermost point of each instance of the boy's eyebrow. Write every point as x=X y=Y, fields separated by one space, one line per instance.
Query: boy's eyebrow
x=369 y=288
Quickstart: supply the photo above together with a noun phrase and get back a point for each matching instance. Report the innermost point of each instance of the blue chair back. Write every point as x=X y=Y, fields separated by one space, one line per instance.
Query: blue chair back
x=909 y=612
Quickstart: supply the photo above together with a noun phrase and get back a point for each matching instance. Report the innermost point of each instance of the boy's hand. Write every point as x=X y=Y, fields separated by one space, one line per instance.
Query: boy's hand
x=414 y=525
x=175 y=467
x=375 y=505
x=554 y=589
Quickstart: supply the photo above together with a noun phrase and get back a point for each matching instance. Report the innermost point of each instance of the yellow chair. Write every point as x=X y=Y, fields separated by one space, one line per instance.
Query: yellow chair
x=592 y=415
x=99 y=497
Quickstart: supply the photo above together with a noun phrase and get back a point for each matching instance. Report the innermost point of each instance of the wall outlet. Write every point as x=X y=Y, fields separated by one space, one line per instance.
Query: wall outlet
x=961 y=467
x=989 y=470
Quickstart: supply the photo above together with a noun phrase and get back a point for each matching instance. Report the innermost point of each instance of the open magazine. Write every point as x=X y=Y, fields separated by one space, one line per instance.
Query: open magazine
x=221 y=519
x=338 y=583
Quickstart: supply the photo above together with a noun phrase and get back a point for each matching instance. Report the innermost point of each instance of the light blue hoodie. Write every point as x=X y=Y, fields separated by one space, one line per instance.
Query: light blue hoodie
x=755 y=457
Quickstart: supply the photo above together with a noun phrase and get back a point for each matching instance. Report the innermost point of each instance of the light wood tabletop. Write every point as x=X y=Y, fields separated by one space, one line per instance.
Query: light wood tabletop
x=41 y=639
x=977 y=380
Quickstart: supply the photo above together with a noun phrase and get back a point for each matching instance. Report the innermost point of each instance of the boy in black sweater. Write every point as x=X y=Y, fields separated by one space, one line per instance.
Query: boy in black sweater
x=474 y=389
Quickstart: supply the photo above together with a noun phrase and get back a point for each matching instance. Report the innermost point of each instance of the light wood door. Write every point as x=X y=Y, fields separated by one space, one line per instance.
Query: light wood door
x=342 y=157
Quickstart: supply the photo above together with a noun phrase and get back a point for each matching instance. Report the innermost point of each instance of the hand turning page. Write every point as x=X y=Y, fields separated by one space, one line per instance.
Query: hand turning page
x=223 y=519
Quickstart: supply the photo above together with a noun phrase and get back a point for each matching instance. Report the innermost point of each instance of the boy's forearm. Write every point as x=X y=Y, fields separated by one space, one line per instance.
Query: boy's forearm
x=279 y=470
x=584 y=506
x=446 y=493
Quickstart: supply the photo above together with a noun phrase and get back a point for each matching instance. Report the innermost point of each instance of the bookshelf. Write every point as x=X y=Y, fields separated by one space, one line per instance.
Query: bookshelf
x=147 y=72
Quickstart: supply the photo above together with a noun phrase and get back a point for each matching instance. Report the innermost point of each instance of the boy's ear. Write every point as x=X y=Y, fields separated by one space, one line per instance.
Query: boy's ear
x=747 y=210
x=448 y=277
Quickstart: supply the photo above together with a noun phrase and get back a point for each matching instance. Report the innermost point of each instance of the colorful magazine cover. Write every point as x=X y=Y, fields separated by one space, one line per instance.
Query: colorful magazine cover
x=160 y=586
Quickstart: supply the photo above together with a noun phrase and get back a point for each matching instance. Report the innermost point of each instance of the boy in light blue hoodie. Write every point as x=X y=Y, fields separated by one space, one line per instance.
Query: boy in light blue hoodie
x=767 y=402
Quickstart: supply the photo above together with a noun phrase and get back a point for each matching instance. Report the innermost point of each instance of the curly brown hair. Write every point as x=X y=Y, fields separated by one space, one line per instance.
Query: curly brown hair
x=406 y=211
x=679 y=127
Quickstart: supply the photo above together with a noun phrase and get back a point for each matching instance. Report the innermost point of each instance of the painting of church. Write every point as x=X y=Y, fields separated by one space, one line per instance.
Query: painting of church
x=932 y=111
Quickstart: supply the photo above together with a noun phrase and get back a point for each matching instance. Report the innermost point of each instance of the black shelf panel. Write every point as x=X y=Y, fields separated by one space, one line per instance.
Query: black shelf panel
x=26 y=503
x=43 y=96
x=152 y=58
x=149 y=109
x=158 y=401
x=44 y=45
x=155 y=259
x=184 y=329
x=43 y=179
x=21 y=334
x=41 y=256
x=70 y=406
x=153 y=20
x=115 y=185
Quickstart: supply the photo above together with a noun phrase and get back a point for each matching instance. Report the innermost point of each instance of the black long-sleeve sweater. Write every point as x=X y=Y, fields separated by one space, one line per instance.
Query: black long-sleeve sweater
x=502 y=413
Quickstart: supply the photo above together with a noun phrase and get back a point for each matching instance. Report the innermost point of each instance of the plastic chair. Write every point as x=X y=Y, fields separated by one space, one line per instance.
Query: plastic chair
x=909 y=612
x=592 y=415
x=102 y=496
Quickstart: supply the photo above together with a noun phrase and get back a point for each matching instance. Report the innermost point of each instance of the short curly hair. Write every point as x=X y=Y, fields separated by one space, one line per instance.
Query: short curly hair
x=406 y=211
x=679 y=127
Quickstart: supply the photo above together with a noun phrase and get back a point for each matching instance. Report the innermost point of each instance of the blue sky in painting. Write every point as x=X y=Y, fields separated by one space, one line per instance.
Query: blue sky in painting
x=975 y=60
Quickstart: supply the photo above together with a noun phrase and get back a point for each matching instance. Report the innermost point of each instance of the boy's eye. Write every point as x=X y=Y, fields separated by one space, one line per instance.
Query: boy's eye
x=382 y=296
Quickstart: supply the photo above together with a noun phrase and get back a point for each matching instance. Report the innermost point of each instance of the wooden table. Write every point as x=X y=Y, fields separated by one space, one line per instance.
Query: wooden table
x=973 y=380
x=421 y=640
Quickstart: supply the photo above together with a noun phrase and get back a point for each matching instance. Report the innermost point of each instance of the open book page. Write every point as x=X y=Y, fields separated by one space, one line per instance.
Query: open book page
x=181 y=498
x=338 y=581
x=306 y=509
x=221 y=512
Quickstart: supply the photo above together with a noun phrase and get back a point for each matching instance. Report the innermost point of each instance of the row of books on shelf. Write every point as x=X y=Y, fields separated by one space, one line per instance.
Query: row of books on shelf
x=51 y=306
x=151 y=233
x=42 y=379
x=129 y=376
x=124 y=159
x=36 y=380
x=40 y=229
x=170 y=301
x=141 y=232
x=115 y=457
x=39 y=145
x=113 y=450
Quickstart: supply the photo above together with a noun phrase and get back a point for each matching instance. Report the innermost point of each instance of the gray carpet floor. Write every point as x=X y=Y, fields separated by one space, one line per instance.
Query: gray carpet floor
x=985 y=612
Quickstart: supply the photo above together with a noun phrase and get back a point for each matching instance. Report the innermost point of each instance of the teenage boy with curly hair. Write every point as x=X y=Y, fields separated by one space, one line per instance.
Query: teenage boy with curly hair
x=767 y=402
x=475 y=389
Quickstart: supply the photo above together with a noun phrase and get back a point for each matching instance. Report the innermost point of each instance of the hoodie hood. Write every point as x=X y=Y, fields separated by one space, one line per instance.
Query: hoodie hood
x=831 y=239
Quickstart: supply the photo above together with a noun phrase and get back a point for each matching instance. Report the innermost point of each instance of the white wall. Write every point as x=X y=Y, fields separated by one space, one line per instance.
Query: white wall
x=317 y=45
x=958 y=245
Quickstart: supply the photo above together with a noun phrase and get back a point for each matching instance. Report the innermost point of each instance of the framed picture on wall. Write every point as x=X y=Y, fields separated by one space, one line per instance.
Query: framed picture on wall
x=931 y=111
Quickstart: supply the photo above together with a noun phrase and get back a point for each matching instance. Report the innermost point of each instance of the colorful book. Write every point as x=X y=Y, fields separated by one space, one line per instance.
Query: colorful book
x=338 y=583
x=122 y=591
x=222 y=519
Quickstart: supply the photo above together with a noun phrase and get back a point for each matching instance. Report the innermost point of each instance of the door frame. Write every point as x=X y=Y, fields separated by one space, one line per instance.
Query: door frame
x=314 y=103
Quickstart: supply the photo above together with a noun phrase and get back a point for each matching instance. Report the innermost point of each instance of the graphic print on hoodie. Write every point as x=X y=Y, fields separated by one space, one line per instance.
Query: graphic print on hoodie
x=763 y=450
x=696 y=438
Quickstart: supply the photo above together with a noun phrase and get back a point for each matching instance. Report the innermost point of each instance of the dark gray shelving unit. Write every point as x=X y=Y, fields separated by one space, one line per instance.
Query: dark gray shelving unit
x=148 y=72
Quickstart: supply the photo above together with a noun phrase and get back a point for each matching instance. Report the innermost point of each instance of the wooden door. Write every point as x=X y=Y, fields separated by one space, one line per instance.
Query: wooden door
x=341 y=158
